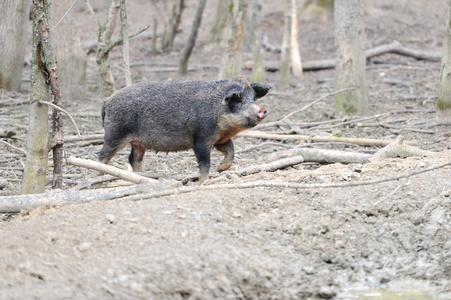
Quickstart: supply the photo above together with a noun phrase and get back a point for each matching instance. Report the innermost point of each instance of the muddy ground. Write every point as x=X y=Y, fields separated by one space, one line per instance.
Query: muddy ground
x=256 y=243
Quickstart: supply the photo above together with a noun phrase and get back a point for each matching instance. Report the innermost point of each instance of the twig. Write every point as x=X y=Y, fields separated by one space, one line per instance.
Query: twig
x=14 y=147
x=91 y=10
x=279 y=184
x=119 y=39
x=63 y=111
x=316 y=101
x=62 y=18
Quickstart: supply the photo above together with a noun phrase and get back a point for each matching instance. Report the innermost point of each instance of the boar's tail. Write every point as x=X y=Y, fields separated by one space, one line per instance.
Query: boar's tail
x=103 y=113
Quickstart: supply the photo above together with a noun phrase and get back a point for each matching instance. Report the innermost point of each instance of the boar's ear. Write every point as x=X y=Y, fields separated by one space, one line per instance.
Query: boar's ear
x=233 y=91
x=260 y=90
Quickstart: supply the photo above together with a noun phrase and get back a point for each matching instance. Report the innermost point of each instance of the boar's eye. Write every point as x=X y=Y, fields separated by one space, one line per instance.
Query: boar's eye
x=260 y=90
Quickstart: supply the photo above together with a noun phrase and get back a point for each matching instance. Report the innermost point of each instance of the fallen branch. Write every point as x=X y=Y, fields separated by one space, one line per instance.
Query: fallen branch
x=279 y=184
x=297 y=137
x=103 y=168
x=16 y=203
x=272 y=166
x=398 y=149
x=323 y=156
x=394 y=48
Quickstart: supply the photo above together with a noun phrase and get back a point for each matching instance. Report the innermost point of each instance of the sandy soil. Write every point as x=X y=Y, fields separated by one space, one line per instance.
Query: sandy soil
x=257 y=243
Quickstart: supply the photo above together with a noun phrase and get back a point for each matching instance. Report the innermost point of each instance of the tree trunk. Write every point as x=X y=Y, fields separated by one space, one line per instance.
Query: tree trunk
x=124 y=35
x=69 y=51
x=351 y=62
x=231 y=58
x=258 y=70
x=174 y=22
x=50 y=68
x=286 y=47
x=295 y=53
x=38 y=137
x=13 y=21
x=183 y=67
x=223 y=9
x=444 y=95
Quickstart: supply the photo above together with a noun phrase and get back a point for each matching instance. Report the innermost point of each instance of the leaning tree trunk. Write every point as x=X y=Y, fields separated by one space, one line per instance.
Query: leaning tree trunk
x=286 y=47
x=13 y=21
x=183 y=65
x=69 y=50
x=258 y=69
x=444 y=95
x=351 y=61
x=38 y=136
x=233 y=33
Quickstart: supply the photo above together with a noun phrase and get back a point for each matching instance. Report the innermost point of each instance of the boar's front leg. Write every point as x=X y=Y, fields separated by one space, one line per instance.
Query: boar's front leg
x=227 y=149
x=202 y=152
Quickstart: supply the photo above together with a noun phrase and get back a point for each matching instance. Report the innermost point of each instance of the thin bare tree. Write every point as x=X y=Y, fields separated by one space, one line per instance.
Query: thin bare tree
x=105 y=45
x=183 y=65
x=286 y=46
x=173 y=24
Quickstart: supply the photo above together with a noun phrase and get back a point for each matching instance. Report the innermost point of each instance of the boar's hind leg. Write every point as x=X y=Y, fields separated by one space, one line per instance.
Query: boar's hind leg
x=136 y=155
x=227 y=150
x=202 y=153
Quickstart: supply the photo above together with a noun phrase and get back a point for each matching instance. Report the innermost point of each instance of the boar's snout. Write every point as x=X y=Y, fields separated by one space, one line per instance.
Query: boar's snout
x=262 y=113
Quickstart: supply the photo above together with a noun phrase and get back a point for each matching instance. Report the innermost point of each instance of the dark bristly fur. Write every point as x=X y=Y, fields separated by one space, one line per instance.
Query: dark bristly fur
x=172 y=116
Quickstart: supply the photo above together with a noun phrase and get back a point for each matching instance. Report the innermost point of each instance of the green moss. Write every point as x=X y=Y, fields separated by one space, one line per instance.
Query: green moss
x=443 y=105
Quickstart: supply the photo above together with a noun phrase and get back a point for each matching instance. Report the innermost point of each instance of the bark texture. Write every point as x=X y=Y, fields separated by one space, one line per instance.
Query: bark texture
x=13 y=21
x=38 y=135
x=233 y=33
x=258 y=70
x=444 y=95
x=222 y=11
x=69 y=51
x=351 y=62
x=50 y=68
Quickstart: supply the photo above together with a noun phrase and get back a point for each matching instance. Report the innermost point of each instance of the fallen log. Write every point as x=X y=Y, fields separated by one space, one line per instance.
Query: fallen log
x=16 y=203
x=103 y=168
x=315 y=138
x=395 y=48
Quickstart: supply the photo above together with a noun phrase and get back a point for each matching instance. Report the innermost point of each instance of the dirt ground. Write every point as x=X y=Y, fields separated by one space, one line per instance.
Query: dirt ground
x=390 y=240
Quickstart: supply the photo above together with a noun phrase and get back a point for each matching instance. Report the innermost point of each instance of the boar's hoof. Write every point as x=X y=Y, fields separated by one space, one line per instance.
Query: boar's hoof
x=224 y=166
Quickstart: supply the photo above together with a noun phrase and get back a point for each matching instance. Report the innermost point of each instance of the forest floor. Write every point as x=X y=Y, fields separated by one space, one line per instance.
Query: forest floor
x=391 y=239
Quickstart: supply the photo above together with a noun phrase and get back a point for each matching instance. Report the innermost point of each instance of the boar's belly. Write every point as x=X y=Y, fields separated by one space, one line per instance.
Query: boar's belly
x=168 y=143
